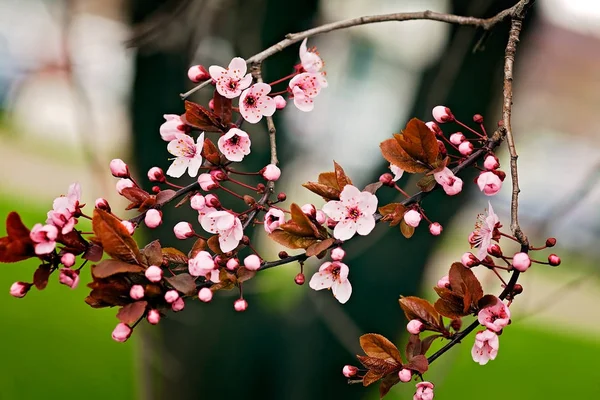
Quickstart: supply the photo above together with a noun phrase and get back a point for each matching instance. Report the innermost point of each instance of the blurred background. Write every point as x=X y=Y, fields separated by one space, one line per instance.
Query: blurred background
x=85 y=81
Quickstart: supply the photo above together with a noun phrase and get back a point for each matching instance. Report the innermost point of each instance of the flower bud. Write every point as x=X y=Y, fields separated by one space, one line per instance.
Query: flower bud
x=518 y=289
x=68 y=260
x=212 y=200
x=252 y=262
x=197 y=73
x=183 y=230
x=478 y=119
x=154 y=273
x=444 y=282
x=414 y=326
x=136 y=292
x=172 y=126
x=206 y=182
x=19 y=289
x=457 y=138
x=337 y=254
x=554 y=260
x=330 y=223
x=211 y=104
x=405 y=375
x=240 y=305
x=281 y=197
x=412 y=218
x=550 y=242
x=489 y=183
x=171 y=296
x=129 y=226
x=124 y=184
x=218 y=175
x=387 y=179
x=271 y=172
x=205 y=295
x=232 y=264
x=299 y=279
x=465 y=148
x=280 y=102
x=435 y=229
x=119 y=169
x=456 y=324
x=442 y=114
x=494 y=250
x=521 y=262
x=491 y=163
x=153 y=316
x=349 y=371
x=309 y=210
x=122 y=332
x=469 y=260
x=102 y=204
x=320 y=217
x=178 y=305
x=283 y=254
x=442 y=148
x=69 y=277
x=433 y=127
x=156 y=174
x=153 y=218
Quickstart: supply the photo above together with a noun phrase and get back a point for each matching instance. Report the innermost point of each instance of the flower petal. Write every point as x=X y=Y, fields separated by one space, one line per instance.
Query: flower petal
x=321 y=280
x=342 y=291
x=344 y=230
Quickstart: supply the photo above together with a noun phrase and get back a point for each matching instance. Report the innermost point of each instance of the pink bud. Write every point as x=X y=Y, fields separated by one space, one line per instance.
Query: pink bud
x=387 y=179
x=136 y=292
x=173 y=126
x=252 y=262
x=19 y=289
x=197 y=73
x=435 y=229
x=211 y=104
x=442 y=114
x=414 y=326
x=102 y=204
x=183 y=230
x=153 y=316
x=279 y=102
x=478 y=119
x=153 y=218
x=124 y=184
x=271 y=172
x=412 y=218
x=206 y=182
x=232 y=264
x=156 y=174
x=171 y=296
x=330 y=223
x=309 y=210
x=433 y=127
x=494 y=250
x=554 y=260
x=444 y=282
x=320 y=217
x=218 y=175
x=489 y=183
x=205 y=294
x=69 y=277
x=521 y=262
x=465 y=148
x=212 y=200
x=491 y=163
x=405 y=375
x=129 y=226
x=299 y=279
x=469 y=260
x=197 y=202
x=121 y=332
x=68 y=259
x=240 y=305
x=119 y=169
x=424 y=391
x=457 y=138
x=349 y=371
x=337 y=254
x=154 y=273
x=178 y=305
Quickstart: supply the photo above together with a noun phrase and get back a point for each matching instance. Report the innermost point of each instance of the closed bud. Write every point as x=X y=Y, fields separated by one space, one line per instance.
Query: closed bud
x=469 y=260
x=183 y=230
x=443 y=282
x=154 y=273
x=232 y=264
x=435 y=229
x=240 y=305
x=69 y=277
x=171 y=296
x=320 y=217
x=211 y=104
x=245 y=240
x=153 y=316
x=271 y=172
x=442 y=114
x=205 y=295
x=249 y=200
x=178 y=305
x=122 y=332
x=156 y=174
x=405 y=375
x=136 y=292
x=387 y=179
x=281 y=196
x=119 y=169
x=153 y=218
x=102 y=204
x=442 y=149
x=218 y=175
x=337 y=254
x=521 y=262
x=280 y=102
x=212 y=200
x=456 y=324
x=465 y=148
x=19 y=289
x=554 y=260
x=123 y=184
x=197 y=73
x=68 y=259
x=414 y=326
x=155 y=189
x=433 y=127
x=412 y=218
x=491 y=163
x=309 y=210
x=518 y=289
x=457 y=138
x=252 y=262
x=299 y=279
x=283 y=254
x=494 y=250
x=260 y=188
x=129 y=226
x=550 y=242
x=478 y=119
x=349 y=371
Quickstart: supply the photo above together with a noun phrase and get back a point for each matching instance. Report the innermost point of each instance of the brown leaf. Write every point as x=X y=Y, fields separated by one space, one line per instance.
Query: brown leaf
x=406 y=229
x=326 y=192
x=340 y=176
x=213 y=244
x=173 y=256
x=426 y=183
x=200 y=118
x=153 y=253
x=115 y=239
x=93 y=253
x=109 y=292
x=486 y=301
x=164 y=196
x=421 y=309
x=243 y=274
x=372 y=187
x=419 y=142
x=449 y=304
x=316 y=248
x=210 y=152
x=17 y=246
x=184 y=283
x=292 y=241
x=463 y=282
x=427 y=342
x=199 y=245
x=108 y=268
x=40 y=276
x=136 y=195
x=329 y=179
x=418 y=363
x=395 y=154
x=378 y=365
x=371 y=377
x=73 y=242
x=387 y=383
x=222 y=106
x=303 y=222
x=297 y=229
x=131 y=313
x=378 y=346
x=393 y=212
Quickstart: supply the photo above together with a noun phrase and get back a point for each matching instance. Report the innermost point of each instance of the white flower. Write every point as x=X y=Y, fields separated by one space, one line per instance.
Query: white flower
x=188 y=155
x=227 y=226
x=310 y=60
x=397 y=171
x=354 y=213
x=334 y=276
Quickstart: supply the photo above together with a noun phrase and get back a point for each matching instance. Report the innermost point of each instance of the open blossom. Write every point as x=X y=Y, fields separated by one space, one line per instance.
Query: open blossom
x=397 y=171
x=485 y=231
x=495 y=317
x=44 y=237
x=201 y=264
x=172 y=126
x=188 y=155
x=354 y=213
x=254 y=103
x=450 y=183
x=485 y=347
x=334 y=276
x=227 y=226
x=234 y=145
x=273 y=218
x=424 y=391
x=305 y=87
x=231 y=81
x=69 y=277
x=310 y=60
x=64 y=208
x=489 y=183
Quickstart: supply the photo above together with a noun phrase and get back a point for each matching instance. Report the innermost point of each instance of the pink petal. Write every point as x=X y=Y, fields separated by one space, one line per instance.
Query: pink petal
x=321 y=280
x=237 y=67
x=348 y=193
x=215 y=72
x=365 y=224
x=344 y=230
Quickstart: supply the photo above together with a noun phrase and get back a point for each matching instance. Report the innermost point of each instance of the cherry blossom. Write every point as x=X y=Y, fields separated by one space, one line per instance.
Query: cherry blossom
x=495 y=317
x=450 y=183
x=521 y=262
x=64 y=209
x=412 y=218
x=271 y=172
x=424 y=391
x=305 y=87
x=44 y=237
x=19 y=289
x=489 y=183
x=397 y=171
x=69 y=277
x=310 y=60
x=234 y=145
x=172 y=126
x=273 y=218
x=188 y=155
x=206 y=182
x=334 y=276
x=485 y=231
x=122 y=332
x=240 y=305
x=201 y=264
x=442 y=114
x=254 y=103
x=485 y=347
x=231 y=81
x=227 y=226
x=354 y=213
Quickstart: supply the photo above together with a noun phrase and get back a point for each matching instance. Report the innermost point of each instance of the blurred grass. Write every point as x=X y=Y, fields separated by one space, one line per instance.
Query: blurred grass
x=53 y=344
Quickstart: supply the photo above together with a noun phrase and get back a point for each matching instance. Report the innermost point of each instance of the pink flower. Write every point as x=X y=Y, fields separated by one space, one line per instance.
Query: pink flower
x=491 y=163
x=171 y=296
x=252 y=262
x=337 y=254
x=424 y=391
x=153 y=218
x=305 y=87
x=235 y=144
x=188 y=155
x=405 y=375
x=349 y=371
x=197 y=201
x=178 y=305
x=397 y=171
x=271 y=172
x=205 y=295
x=172 y=127
x=489 y=183
x=68 y=259
x=485 y=231
x=119 y=169
x=273 y=218
x=69 y=277
x=153 y=317
x=412 y=218
x=201 y=264
x=521 y=262
x=320 y=217
x=443 y=282
x=414 y=326
x=19 y=289
x=254 y=103
x=121 y=332
x=465 y=148
x=354 y=213
x=310 y=60
x=485 y=347
x=280 y=102
x=206 y=182
x=450 y=183
x=64 y=208
x=197 y=73
x=240 y=305
x=44 y=237
x=442 y=114
x=231 y=81
x=123 y=184
x=334 y=276
x=457 y=138
x=156 y=174
x=495 y=317
x=183 y=230
x=227 y=226
x=136 y=292
x=435 y=229
x=232 y=264
x=154 y=273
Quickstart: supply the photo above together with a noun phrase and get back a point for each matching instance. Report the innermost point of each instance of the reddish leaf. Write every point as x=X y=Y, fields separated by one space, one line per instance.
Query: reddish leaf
x=147 y=204
x=108 y=268
x=115 y=239
x=213 y=244
x=426 y=183
x=173 y=256
x=109 y=292
x=131 y=313
x=200 y=118
x=387 y=383
x=329 y=179
x=210 y=152
x=316 y=248
x=419 y=142
x=222 y=107
x=406 y=229
x=40 y=276
x=378 y=346
x=292 y=241
x=463 y=281
x=243 y=274
x=421 y=309
x=393 y=212
x=340 y=176
x=164 y=196
x=393 y=152
x=486 y=301
x=184 y=283
x=73 y=242
x=427 y=342
x=153 y=253
x=297 y=229
x=136 y=195
x=418 y=363
x=326 y=192
x=372 y=187
x=15 y=229
x=371 y=377
x=378 y=365
x=93 y=253
x=305 y=225
x=199 y=245
x=17 y=246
